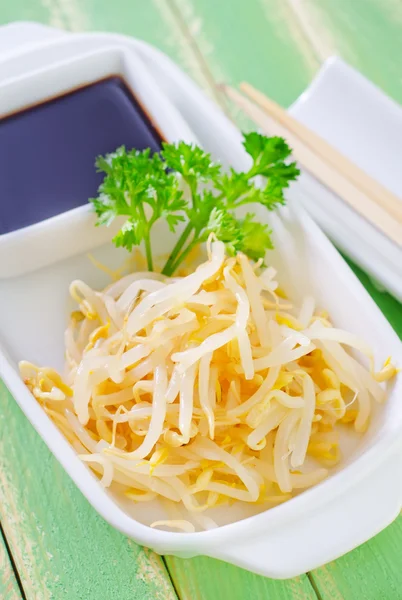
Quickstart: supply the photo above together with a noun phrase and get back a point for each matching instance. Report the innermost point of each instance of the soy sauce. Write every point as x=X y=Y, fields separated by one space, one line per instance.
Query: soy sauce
x=47 y=152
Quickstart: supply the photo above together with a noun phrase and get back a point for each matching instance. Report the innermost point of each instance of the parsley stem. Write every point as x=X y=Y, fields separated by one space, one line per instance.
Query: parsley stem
x=147 y=239
x=168 y=268
x=148 y=252
x=184 y=254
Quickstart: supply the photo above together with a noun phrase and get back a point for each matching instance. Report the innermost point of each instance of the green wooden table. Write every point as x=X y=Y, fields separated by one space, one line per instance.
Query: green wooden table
x=52 y=543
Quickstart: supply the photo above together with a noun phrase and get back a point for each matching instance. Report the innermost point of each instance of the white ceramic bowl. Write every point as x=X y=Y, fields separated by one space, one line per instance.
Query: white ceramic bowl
x=29 y=82
x=320 y=524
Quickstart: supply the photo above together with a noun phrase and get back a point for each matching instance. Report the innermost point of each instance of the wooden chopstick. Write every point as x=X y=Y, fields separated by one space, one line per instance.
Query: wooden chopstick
x=345 y=167
x=331 y=168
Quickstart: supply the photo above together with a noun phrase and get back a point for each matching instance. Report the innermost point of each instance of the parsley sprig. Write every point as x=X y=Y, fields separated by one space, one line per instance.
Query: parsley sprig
x=145 y=188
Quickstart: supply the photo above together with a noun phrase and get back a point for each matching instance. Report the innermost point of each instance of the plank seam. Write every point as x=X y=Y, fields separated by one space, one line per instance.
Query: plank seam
x=302 y=15
x=12 y=562
x=198 y=55
x=176 y=591
x=313 y=584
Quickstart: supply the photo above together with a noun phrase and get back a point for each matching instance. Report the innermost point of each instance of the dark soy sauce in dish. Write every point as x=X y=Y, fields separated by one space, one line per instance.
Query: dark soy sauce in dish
x=47 y=151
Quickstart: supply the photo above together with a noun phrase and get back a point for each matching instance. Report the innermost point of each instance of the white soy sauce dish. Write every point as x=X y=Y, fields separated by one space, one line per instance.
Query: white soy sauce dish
x=363 y=494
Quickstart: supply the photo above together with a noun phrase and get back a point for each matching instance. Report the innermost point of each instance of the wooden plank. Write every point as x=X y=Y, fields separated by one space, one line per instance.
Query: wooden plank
x=212 y=29
x=62 y=548
x=203 y=578
x=9 y=589
x=220 y=33
x=353 y=30
x=241 y=40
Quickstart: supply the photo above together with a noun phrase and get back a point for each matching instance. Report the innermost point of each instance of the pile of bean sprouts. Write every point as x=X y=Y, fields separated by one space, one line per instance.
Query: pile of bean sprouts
x=206 y=389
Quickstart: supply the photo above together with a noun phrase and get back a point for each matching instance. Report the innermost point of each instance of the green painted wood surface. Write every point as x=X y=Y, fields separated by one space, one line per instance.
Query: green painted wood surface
x=9 y=589
x=278 y=46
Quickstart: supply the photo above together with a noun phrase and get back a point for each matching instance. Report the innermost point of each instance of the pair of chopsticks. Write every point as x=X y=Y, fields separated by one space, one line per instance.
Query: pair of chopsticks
x=365 y=195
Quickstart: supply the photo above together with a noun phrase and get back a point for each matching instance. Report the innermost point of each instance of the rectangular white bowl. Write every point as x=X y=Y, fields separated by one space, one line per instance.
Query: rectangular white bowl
x=320 y=524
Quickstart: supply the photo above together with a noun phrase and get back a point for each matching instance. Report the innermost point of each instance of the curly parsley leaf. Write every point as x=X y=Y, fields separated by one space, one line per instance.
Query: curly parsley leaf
x=137 y=185
x=190 y=161
x=256 y=238
x=131 y=234
x=145 y=188
x=226 y=228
